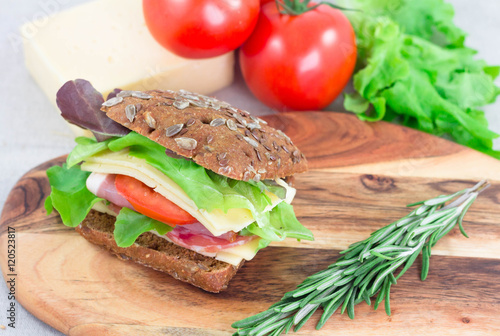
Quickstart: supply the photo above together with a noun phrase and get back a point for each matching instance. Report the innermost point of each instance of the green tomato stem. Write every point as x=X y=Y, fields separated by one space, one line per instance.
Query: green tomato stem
x=298 y=7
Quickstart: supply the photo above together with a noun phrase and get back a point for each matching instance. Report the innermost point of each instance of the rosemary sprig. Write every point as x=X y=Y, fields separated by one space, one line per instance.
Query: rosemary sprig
x=366 y=267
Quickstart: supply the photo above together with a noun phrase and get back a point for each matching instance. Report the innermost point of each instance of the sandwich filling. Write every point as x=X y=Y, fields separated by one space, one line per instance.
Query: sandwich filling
x=133 y=178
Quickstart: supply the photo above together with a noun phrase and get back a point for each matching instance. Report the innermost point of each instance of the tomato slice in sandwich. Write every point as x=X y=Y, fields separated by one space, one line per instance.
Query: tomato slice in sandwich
x=150 y=203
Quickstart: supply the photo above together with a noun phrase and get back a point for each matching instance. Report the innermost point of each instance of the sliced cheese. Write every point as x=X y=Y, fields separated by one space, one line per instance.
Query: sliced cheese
x=217 y=222
x=290 y=192
x=102 y=207
x=234 y=255
x=107 y=42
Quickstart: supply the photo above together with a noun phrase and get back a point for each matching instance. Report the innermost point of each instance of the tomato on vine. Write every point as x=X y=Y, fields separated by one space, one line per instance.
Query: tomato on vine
x=300 y=55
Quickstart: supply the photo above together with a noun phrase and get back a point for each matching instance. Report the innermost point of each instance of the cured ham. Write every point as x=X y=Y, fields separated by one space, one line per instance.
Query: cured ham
x=103 y=185
x=197 y=238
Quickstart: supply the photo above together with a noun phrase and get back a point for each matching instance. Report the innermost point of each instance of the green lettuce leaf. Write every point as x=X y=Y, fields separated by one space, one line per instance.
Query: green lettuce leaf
x=413 y=68
x=283 y=224
x=429 y=19
x=130 y=225
x=263 y=243
x=85 y=148
x=69 y=194
x=276 y=189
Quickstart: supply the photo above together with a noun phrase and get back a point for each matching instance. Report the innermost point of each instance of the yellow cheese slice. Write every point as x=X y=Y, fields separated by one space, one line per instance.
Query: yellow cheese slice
x=217 y=222
x=234 y=255
x=102 y=207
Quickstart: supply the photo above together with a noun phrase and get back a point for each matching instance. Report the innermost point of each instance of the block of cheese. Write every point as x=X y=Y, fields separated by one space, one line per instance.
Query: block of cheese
x=107 y=42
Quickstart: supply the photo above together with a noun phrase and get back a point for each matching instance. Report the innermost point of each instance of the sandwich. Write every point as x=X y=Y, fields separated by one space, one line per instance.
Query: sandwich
x=177 y=181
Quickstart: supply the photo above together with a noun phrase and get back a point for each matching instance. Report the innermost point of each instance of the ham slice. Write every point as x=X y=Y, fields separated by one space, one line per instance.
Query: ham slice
x=197 y=238
x=103 y=186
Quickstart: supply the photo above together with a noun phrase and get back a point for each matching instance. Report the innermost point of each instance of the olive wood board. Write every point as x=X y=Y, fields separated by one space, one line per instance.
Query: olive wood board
x=361 y=177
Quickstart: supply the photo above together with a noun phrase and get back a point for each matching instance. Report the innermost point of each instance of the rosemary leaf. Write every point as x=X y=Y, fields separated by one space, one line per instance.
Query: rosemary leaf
x=288 y=326
x=410 y=261
x=327 y=313
x=388 y=299
x=334 y=297
x=305 y=318
x=249 y=321
x=350 y=293
x=272 y=327
x=425 y=262
x=291 y=307
x=363 y=269
x=379 y=298
x=367 y=299
x=350 y=305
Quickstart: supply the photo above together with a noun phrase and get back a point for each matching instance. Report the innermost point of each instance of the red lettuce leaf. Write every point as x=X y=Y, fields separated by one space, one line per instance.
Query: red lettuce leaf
x=80 y=104
x=113 y=93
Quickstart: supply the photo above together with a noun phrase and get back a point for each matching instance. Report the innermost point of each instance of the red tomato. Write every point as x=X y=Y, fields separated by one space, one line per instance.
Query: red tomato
x=263 y=2
x=150 y=203
x=299 y=62
x=200 y=29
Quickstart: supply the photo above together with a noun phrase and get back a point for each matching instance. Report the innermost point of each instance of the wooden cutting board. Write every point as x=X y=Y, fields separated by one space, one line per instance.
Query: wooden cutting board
x=361 y=177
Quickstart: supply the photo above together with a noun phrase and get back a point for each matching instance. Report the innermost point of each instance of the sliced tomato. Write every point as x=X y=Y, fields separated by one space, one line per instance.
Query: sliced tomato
x=150 y=203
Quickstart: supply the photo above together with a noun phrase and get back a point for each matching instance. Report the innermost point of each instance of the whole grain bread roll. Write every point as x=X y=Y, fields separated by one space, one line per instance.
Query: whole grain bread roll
x=214 y=134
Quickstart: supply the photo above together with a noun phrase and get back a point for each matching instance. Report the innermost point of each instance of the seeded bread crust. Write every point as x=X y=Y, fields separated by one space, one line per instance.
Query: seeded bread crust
x=217 y=136
x=150 y=250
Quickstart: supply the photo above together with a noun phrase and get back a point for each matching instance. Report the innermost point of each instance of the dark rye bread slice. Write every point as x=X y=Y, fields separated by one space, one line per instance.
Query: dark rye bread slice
x=150 y=250
x=217 y=136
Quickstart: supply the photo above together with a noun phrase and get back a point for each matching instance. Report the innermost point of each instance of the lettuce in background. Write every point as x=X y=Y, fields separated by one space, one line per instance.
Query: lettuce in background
x=414 y=69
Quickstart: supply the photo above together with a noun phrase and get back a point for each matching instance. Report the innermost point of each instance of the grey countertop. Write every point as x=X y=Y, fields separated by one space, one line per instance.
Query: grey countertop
x=31 y=132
